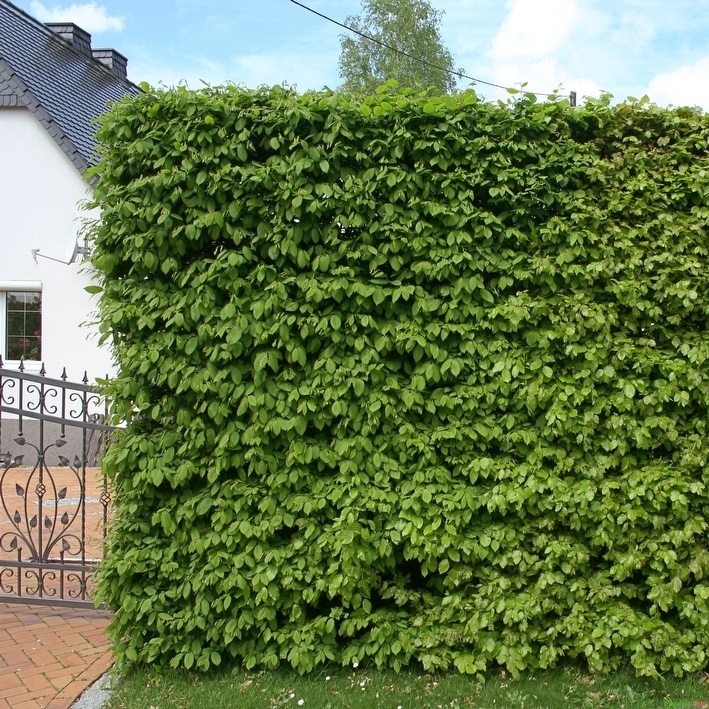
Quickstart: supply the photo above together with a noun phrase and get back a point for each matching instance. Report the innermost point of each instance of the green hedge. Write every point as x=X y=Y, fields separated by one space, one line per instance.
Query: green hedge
x=407 y=380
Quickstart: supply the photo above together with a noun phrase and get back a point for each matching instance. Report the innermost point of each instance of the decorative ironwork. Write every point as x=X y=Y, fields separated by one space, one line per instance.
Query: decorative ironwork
x=53 y=506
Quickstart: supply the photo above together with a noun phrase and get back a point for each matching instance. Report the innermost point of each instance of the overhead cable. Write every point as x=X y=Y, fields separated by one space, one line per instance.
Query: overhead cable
x=461 y=75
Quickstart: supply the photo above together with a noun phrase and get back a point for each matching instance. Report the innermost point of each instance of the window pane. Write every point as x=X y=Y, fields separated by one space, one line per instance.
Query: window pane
x=24 y=325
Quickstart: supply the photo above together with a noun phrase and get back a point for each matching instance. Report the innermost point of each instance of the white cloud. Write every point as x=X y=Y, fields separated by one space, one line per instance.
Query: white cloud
x=89 y=16
x=634 y=31
x=535 y=43
x=545 y=75
x=162 y=72
x=686 y=86
x=535 y=29
x=297 y=69
x=249 y=70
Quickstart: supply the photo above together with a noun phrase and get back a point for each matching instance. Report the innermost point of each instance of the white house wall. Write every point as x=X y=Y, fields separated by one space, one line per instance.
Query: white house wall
x=40 y=191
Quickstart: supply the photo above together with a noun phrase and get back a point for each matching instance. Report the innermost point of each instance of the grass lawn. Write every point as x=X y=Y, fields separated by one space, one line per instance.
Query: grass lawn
x=359 y=688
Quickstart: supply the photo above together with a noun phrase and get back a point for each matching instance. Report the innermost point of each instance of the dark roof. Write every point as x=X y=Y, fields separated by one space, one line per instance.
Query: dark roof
x=65 y=88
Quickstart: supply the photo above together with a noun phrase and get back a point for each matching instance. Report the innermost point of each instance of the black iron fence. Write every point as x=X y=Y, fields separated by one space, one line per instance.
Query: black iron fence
x=54 y=500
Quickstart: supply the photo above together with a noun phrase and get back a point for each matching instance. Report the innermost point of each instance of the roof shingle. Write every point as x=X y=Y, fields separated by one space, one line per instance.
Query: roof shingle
x=66 y=89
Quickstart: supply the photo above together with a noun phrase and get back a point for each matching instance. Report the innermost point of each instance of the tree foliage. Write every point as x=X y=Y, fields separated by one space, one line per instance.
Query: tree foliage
x=407 y=380
x=412 y=26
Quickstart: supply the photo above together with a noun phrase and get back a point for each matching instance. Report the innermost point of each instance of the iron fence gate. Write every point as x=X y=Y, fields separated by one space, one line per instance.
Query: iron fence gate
x=54 y=501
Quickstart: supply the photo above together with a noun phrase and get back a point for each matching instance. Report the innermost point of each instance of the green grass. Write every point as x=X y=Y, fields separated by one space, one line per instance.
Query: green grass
x=362 y=689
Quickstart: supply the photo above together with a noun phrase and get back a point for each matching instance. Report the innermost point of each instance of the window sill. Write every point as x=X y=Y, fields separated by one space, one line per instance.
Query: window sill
x=31 y=366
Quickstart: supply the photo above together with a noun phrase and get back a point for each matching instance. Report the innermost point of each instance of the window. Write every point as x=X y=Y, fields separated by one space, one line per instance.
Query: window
x=21 y=321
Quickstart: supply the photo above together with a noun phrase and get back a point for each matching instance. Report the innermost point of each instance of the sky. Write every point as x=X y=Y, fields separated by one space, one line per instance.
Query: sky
x=629 y=48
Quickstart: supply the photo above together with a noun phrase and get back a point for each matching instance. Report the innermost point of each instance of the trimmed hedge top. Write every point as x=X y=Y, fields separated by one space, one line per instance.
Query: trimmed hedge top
x=407 y=379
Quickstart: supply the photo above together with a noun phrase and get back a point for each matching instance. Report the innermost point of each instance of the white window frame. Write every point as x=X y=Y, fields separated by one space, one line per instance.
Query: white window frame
x=10 y=286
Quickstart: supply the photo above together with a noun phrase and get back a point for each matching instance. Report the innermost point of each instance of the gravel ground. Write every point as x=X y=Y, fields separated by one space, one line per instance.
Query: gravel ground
x=96 y=695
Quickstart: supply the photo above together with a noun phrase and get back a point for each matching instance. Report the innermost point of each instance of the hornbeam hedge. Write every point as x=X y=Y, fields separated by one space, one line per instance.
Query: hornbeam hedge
x=406 y=380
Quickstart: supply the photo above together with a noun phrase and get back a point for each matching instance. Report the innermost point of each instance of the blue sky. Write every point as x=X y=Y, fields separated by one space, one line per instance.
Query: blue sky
x=626 y=47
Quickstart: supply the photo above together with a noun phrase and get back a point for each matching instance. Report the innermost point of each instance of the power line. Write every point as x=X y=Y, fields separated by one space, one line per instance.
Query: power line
x=571 y=95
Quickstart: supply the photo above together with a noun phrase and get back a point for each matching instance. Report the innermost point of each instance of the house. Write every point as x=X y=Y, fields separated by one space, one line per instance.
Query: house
x=53 y=85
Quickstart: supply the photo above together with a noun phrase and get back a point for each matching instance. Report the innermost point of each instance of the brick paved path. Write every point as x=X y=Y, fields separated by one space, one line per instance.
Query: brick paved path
x=49 y=656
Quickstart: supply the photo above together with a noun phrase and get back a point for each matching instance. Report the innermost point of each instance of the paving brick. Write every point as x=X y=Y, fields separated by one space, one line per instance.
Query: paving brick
x=51 y=642
x=42 y=657
x=9 y=681
x=99 y=667
x=29 y=704
x=72 y=691
x=59 y=703
x=61 y=681
x=34 y=680
x=72 y=659
x=16 y=657
x=15 y=694
x=24 y=635
x=53 y=668
x=41 y=696
x=89 y=654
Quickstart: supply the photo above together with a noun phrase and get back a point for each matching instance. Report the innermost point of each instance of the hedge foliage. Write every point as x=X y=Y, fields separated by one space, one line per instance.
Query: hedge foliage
x=407 y=379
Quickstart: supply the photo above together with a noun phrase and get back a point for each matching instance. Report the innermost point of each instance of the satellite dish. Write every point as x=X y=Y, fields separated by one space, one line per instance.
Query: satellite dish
x=72 y=248
x=71 y=251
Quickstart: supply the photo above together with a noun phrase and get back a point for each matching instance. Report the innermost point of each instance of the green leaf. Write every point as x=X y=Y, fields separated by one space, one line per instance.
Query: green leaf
x=191 y=345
